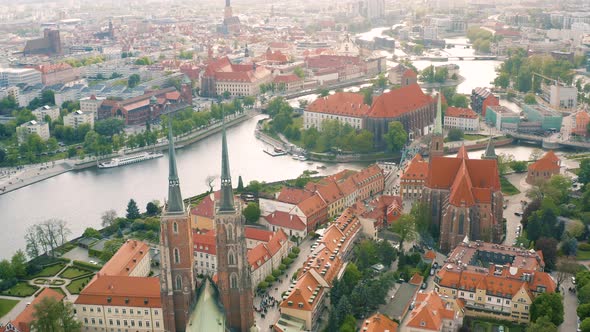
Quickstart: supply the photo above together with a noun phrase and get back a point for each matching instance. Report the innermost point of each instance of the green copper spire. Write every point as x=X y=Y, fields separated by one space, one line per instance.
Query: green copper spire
x=438 y=119
x=227 y=194
x=490 y=151
x=175 y=203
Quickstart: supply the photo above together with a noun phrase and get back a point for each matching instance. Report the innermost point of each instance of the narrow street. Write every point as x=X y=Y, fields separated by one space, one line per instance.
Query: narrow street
x=278 y=287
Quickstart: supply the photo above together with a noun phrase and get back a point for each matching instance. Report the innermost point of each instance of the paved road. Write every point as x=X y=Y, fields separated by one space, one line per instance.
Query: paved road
x=514 y=205
x=570 y=304
x=272 y=315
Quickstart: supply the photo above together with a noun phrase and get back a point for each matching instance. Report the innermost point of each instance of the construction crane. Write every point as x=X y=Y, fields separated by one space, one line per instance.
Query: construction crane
x=555 y=81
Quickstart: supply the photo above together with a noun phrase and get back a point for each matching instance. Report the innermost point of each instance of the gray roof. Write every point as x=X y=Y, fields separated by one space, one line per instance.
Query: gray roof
x=396 y=309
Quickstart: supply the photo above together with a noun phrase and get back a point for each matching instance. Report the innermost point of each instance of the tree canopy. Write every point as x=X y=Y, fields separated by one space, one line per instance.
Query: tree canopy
x=396 y=136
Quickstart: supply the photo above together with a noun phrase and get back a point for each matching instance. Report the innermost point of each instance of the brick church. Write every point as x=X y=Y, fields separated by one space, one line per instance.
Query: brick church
x=464 y=195
x=232 y=296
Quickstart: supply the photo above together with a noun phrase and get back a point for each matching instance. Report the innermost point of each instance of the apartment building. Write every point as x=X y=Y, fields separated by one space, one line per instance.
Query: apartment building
x=503 y=289
x=77 y=118
x=43 y=111
x=344 y=107
x=14 y=76
x=461 y=118
x=40 y=128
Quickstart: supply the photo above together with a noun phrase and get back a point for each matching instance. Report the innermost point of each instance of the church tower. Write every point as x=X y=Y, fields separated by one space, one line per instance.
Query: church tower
x=490 y=151
x=233 y=270
x=177 y=281
x=437 y=140
x=227 y=12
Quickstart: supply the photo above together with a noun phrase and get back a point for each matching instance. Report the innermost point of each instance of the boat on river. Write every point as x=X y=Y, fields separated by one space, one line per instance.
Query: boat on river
x=276 y=152
x=132 y=159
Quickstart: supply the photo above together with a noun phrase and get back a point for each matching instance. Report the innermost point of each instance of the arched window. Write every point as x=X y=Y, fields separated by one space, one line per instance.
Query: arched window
x=231 y=259
x=230 y=232
x=176 y=256
x=175 y=227
x=233 y=280
x=178 y=283
x=461 y=222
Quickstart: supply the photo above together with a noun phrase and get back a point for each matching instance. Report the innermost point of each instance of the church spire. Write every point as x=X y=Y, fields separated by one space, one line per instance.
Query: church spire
x=175 y=203
x=438 y=119
x=227 y=194
x=490 y=151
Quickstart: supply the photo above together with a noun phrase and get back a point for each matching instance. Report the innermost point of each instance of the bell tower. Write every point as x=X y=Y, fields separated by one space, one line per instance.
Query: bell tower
x=437 y=140
x=233 y=269
x=177 y=281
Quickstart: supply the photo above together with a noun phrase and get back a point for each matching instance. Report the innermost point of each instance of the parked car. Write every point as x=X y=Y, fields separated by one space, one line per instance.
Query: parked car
x=518 y=214
x=574 y=280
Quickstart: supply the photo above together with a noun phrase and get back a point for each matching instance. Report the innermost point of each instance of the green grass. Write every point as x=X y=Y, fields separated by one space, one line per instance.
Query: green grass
x=74 y=272
x=583 y=255
x=21 y=289
x=507 y=187
x=49 y=271
x=473 y=137
x=59 y=290
x=76 y=286
x=6 y=305
x=480 y=325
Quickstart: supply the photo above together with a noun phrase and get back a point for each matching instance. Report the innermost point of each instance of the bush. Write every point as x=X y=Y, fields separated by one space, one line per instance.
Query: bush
x=282 y=267
x=296 y=250
x=263 y=285
x=584 y=246
x=455 y=134
x=85 y=265
x=287 y=261
x=270 y=279
x=276 y=273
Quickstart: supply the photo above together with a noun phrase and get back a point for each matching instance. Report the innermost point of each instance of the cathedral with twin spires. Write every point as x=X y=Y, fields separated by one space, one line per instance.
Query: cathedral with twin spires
x=185 y=307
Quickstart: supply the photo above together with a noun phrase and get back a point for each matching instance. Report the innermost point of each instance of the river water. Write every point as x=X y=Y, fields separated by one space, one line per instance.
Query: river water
x=80 y=197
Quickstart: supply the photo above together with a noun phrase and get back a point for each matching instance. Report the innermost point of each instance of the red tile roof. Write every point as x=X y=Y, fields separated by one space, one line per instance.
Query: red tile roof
x=417 y=169
x=459 y=112
x=276 y=242
x=409 y=73
x=548 y=162
x=293 y=195
x=205 y=242
x=379 y=323
x=399 y=101
x=23 y=321
x=286 y=220
x=287 y=78
x=312 y=205
x=429 y=313
x=126 y=258
x=257 y=234
x=207 y=206
x=258 y=255
x=340 y=103
x=122 y=291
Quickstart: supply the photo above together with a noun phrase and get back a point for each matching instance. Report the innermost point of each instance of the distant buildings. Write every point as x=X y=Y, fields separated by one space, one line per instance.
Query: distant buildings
x=581 y=122
x=344 y=107
x=461 y=118
x=237 y=79
x=502 y=117
x=78 y=118
x=17 y=76
x=560 y=96
x=91 y=104
x=60 y=73
x=51 y=111
x=548 y=118
x=494 y=281
x=40 y=128
x=50 y=44
x=408 y=105
x=481 y=99
x=543 y=169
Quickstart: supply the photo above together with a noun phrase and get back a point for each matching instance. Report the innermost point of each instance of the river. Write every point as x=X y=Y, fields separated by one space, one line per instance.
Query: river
x=80 y=197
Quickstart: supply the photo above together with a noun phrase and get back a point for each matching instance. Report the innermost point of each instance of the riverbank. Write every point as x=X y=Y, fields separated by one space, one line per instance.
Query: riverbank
x=36 y=173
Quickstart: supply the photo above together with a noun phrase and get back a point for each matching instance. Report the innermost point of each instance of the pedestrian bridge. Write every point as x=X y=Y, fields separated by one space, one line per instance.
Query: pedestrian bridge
x=550 y=143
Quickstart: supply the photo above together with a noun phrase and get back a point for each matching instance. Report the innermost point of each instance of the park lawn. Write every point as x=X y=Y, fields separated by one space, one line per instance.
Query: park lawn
x=582 y=255
x=508 y=188
x=21 y=289
x=473 y=137
x=49 y=271
x=491 y=326
x=76 y=286
x=74 y=272
x=6 y=305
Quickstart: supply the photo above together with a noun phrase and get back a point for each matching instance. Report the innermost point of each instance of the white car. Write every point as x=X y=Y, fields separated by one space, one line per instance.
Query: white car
x=574 y=280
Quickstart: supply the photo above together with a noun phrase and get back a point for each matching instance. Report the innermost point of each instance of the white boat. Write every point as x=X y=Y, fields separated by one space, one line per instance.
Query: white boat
x=302 y=158
x=126 y=160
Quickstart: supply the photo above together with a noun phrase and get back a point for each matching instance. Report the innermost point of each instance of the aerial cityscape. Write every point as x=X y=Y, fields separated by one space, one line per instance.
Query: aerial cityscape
x=240 y=165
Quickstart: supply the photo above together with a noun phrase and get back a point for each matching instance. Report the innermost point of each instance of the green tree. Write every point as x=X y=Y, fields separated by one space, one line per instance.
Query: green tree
x=460 y=101
x=518 y=166
x=18 y=264
x=584 y=173
x=585 y=325
x=110 y=248
x=6 y=272
x=502 y=80
x=324 y=92
x=418 y=49
x=133 y=80
x=543 y=324
x=583 y=311
x=396 y=136
x=132 y=210
x=367 y=96
x=251 y=213
x=348 y=324
x=405 y=227
x=91 y=232
x=299 y=72
x=550 y=305
x=51 y=315
x=530 y=99
x=455 y=134
x=548 y=247
x=152 y=209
